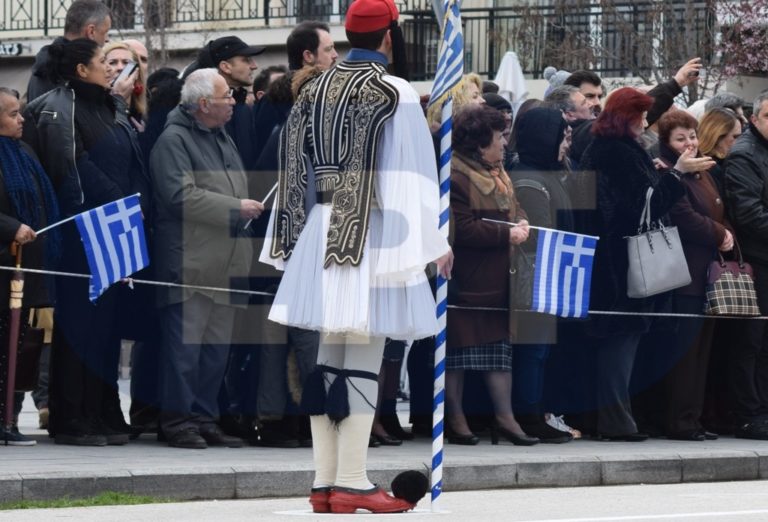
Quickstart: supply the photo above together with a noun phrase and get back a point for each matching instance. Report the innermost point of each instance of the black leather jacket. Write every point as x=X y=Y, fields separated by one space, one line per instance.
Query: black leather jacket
x=65 y=147
x=746 y=193
x=49 y=128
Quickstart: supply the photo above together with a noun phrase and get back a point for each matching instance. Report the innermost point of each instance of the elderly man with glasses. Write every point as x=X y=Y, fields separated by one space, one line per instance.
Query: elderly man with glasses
x=201 y=204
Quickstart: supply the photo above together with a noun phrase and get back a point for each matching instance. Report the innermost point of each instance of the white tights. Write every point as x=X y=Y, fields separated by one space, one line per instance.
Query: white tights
x=341 y=453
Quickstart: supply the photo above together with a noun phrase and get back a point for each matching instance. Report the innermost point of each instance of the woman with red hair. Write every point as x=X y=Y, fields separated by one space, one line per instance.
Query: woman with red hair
x=623 y=171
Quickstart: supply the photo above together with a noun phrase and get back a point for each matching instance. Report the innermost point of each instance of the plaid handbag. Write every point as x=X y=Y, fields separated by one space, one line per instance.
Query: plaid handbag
x=731 y=287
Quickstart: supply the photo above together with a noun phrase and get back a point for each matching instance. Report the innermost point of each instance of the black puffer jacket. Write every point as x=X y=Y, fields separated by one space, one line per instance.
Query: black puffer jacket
x=624 y=171
x=746 y=193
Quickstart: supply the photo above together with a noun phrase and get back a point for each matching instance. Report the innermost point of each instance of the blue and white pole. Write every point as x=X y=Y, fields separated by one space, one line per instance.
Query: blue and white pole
x=438 y=408
x=450 y=67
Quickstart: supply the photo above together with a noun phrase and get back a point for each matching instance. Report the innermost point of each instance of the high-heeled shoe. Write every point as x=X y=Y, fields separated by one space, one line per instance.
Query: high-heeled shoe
x=515 y=438
x=392 y=424
x=461 y=440
x=386 y=440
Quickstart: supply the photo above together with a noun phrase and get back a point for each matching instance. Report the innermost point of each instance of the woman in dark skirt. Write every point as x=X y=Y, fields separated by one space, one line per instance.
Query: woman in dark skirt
x=479 y=340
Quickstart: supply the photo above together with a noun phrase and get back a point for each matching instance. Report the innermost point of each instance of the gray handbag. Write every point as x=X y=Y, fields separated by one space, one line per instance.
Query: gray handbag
x=656 y=259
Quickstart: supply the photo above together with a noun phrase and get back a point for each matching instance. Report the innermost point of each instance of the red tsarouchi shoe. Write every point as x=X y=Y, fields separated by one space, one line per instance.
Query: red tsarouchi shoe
x=319 y=500
x=376 y=500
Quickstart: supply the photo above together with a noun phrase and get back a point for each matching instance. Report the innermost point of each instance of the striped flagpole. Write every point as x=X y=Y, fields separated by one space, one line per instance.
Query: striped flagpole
x=438 y=404
x=450 y=67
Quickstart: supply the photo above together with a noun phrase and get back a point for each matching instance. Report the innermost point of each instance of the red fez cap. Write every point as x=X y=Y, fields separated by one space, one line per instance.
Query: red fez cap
x=367 y=16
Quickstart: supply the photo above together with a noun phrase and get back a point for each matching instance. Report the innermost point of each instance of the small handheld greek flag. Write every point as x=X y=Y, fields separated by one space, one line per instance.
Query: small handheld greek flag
x=563 y=273
x=113 y=238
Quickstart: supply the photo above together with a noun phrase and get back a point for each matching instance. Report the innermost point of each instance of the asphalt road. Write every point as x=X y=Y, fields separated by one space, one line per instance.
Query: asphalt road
x=724 y=501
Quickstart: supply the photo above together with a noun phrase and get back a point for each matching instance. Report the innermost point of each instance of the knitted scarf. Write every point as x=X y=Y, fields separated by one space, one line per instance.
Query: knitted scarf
x=25 y=181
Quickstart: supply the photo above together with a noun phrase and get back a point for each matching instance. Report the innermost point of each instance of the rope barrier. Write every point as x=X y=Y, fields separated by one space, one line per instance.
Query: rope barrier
x=607 y=312
x=450 y=307
x=140 y=281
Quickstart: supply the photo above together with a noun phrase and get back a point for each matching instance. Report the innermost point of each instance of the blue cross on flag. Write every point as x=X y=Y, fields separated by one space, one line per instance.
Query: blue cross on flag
x=114 y=243
x=563 y=273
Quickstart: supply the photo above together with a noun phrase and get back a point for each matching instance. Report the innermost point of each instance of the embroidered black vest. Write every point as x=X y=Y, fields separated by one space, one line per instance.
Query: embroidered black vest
x=334 y=126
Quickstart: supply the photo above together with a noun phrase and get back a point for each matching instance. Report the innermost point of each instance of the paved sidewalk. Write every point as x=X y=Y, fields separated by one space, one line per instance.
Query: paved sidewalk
x=146 y=467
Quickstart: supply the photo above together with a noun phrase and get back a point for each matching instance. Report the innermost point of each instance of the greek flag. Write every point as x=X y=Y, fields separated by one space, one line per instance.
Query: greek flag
x=563 y=273
x=450 y=64
x=113 y=238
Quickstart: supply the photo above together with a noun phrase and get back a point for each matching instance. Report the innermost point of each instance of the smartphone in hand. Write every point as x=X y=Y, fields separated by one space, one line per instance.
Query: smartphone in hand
x=127 y=71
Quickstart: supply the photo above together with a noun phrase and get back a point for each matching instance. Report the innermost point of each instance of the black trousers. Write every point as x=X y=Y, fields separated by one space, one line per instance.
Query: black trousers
x=685 y=383
x=615 y=359
x=748 y=361
x=84 y=359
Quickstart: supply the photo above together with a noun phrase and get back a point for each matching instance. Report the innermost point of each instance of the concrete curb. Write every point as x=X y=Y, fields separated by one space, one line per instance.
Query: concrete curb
x=233 y=482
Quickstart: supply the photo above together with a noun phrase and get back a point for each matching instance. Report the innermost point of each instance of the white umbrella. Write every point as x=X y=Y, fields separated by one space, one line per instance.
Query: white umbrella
x=511 y=81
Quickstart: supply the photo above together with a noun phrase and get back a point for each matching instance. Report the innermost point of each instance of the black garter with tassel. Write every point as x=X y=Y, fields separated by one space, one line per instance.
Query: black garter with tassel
x=335 y=403
x=313 y=394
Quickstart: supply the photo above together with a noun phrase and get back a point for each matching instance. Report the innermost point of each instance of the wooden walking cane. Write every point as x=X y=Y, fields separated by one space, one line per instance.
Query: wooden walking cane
x=17 y=295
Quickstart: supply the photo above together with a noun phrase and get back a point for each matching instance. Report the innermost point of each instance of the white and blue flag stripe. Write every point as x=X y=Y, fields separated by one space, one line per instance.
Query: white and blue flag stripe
x=450 y=63
x=114 y=242
x=563 y=273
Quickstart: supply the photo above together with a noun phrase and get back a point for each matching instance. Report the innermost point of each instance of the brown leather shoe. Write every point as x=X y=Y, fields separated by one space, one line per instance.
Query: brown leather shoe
x=376 y=500
x=319 y=500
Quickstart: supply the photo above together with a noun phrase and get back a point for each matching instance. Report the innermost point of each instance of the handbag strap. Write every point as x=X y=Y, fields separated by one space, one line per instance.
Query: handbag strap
x=736 y=253
x=645 y=216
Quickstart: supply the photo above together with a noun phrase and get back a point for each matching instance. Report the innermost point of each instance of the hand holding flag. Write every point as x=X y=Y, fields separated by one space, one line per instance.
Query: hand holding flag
x=114 y=242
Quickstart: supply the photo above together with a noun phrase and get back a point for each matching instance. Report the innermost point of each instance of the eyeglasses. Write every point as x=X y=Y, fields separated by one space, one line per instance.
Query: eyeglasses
x=228 y=96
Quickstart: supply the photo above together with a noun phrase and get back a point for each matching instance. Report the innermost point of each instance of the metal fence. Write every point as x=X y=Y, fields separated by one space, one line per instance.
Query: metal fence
x=613 y=38
x=45 y=17
x=610 y=38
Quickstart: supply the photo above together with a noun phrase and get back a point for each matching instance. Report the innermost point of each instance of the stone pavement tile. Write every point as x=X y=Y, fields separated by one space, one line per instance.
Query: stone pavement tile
x=10 y=487
x=760 y=449
x=187 y=484
x=762 y=466
x=642 y=469
x=73 y=484
x=566 y=472
x=721 y=466
x=254 y=482
x=458 y=478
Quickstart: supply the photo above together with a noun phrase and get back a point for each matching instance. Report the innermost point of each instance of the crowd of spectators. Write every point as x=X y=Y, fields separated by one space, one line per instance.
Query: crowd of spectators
x=208 y=368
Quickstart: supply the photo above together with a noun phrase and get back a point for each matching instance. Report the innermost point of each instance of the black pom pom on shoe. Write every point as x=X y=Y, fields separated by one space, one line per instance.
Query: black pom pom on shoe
x=410 y=486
